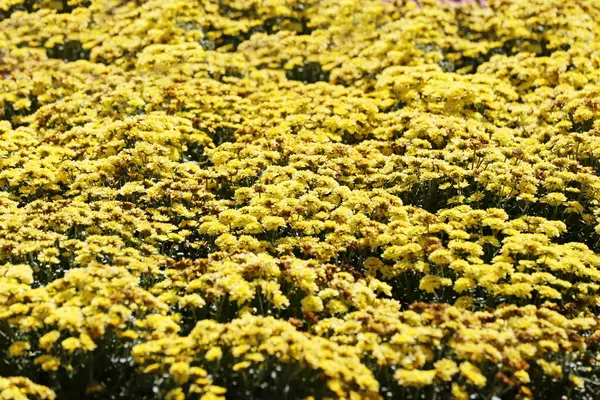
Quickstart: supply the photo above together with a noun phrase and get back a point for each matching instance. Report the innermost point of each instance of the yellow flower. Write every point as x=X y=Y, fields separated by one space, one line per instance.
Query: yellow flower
x=441 y=257
x=549 y=345
x=430 y=283
x=175 y=394
x=459 y=392
x=151 y=368
x=473 y=374
x=548 y=292
x=21 y=388
x=180 y=372
x=213 y=228
x=577 y=381
x=396 y=252
x=18 y=348
x=336 y=307
x=253 y=228
x=407 y=377
x=446 y=369
x=336 y=386
x=464 y=302
x=214 y=354
x=255 y=357
x=550 y=368
x=271 y=223
x=241 y=366
x=312 y=304
x=71 y=344
x=129 y=334
x=22 y=273
x=47 y=362
x=191 y=299
x=47 y=341
x=86 y=342
x=463 y=284
x=554 y=199
x=522 y=376
x=240 y=350
x=216 y=390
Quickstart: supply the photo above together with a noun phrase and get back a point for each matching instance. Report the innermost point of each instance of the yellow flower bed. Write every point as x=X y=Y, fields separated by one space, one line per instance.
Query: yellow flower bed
x=299 y=199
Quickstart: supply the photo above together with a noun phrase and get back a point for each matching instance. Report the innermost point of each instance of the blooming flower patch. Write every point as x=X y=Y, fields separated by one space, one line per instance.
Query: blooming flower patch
x=299 y=199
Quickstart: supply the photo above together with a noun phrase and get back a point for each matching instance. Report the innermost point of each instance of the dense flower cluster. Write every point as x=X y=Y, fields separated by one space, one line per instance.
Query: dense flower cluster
x=299 y=199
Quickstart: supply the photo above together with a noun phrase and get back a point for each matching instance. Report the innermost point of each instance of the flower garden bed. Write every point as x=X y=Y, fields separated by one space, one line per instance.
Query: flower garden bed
x=299 y=199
